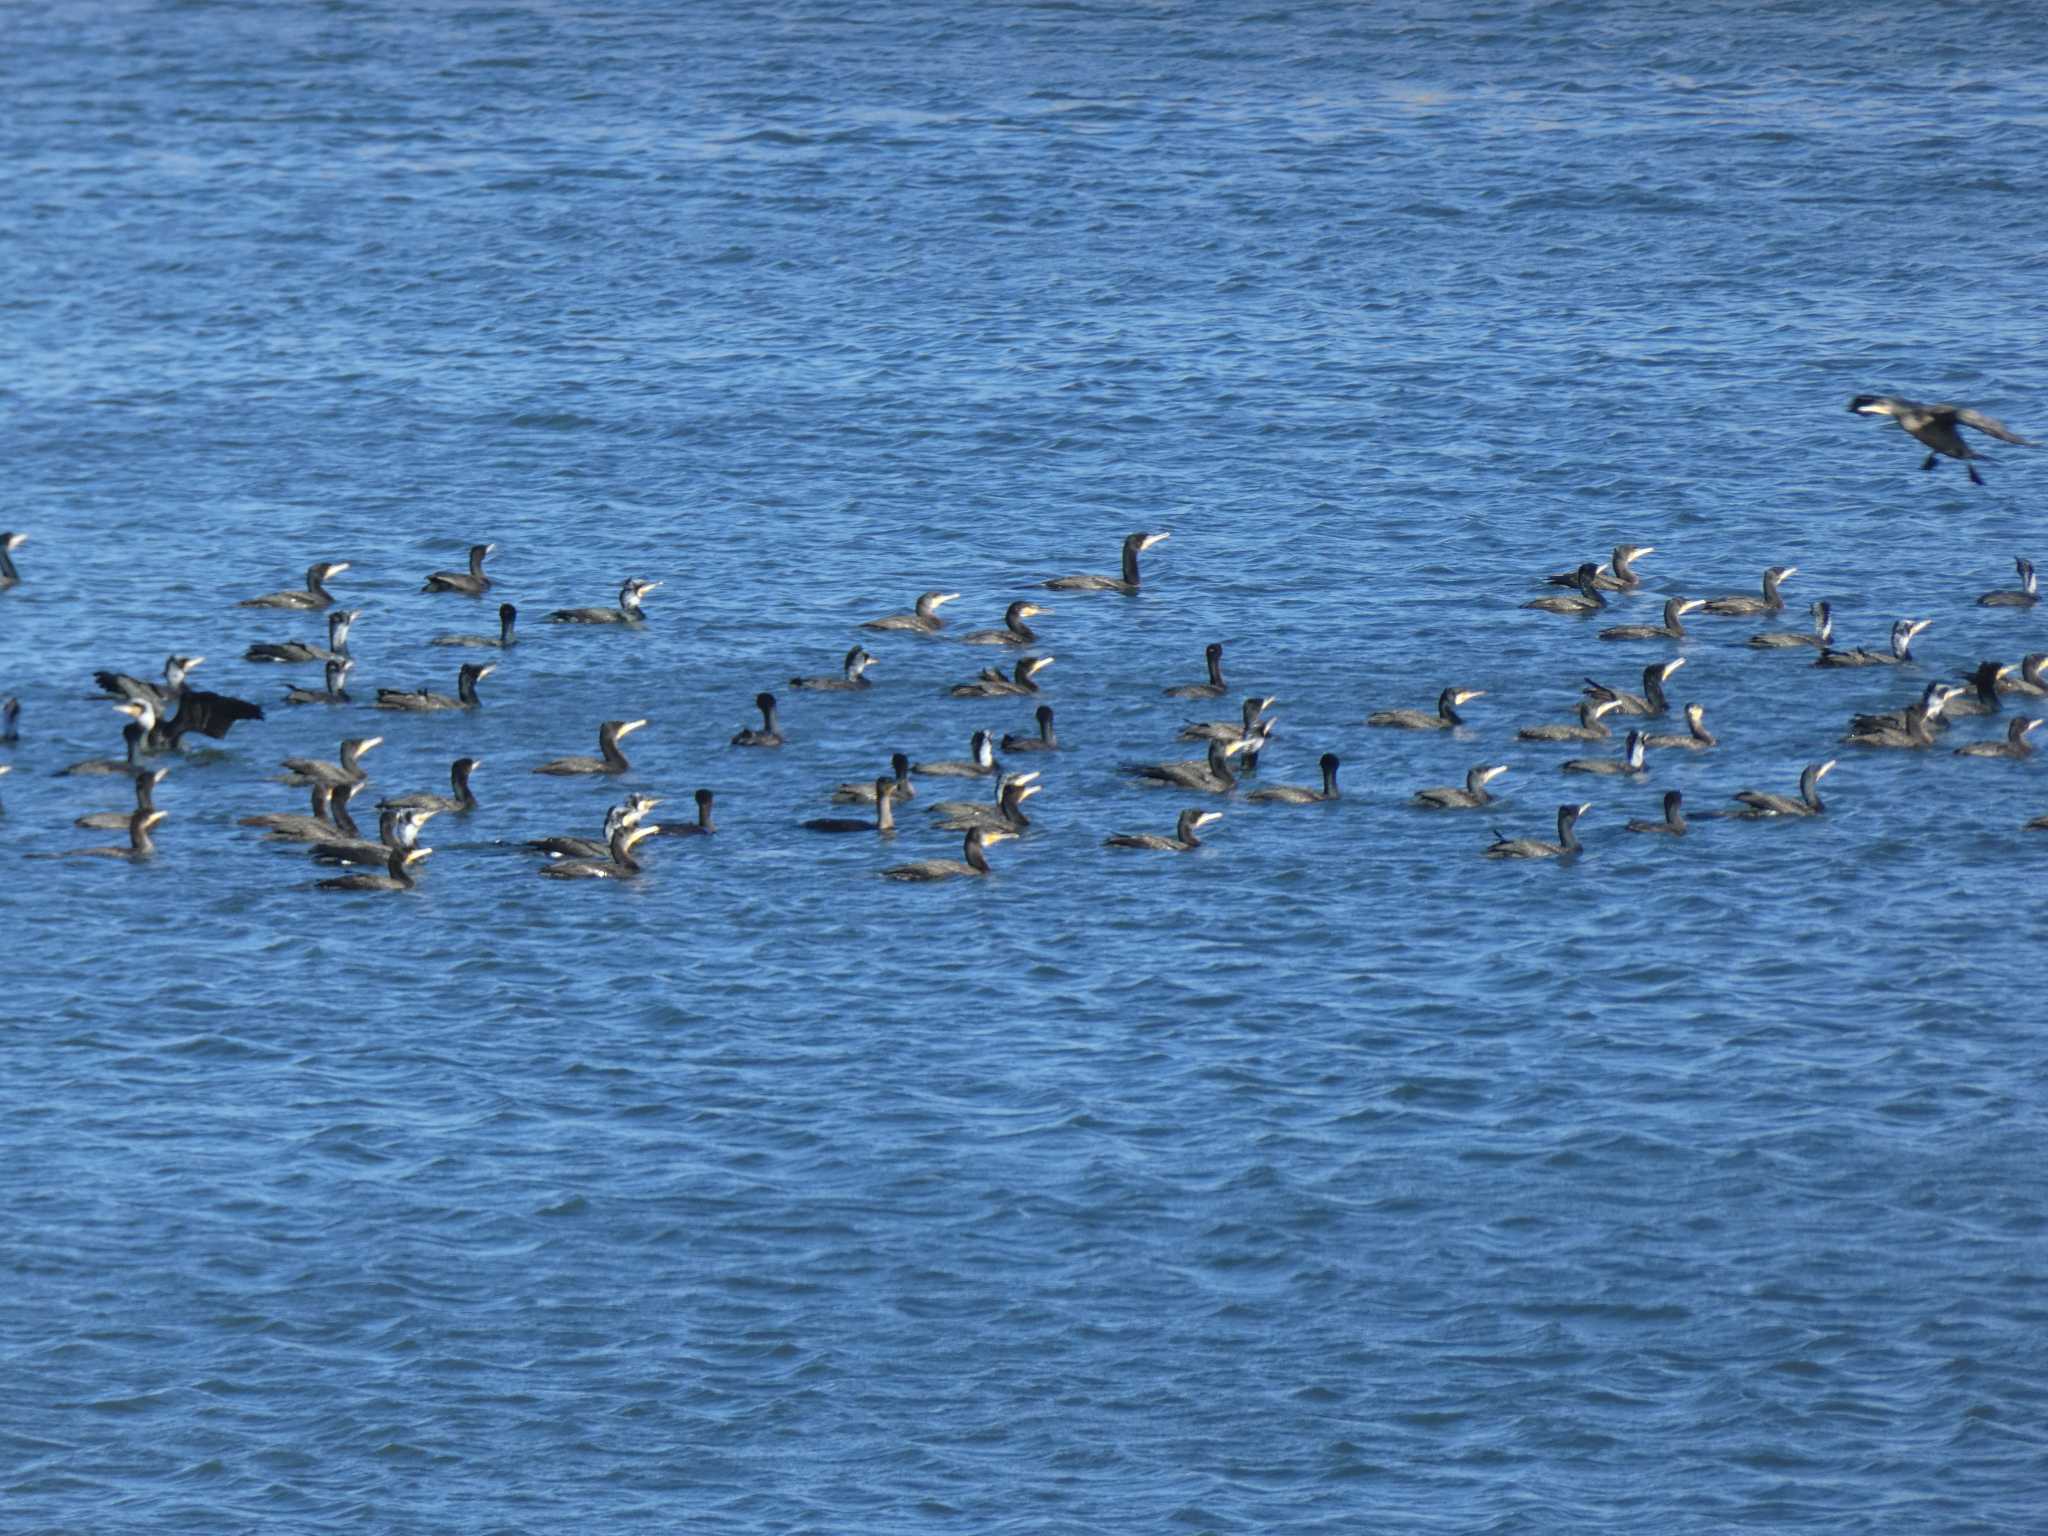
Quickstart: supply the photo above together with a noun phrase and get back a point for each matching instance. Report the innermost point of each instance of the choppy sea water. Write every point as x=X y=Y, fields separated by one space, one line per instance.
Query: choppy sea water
x=1329 y=1178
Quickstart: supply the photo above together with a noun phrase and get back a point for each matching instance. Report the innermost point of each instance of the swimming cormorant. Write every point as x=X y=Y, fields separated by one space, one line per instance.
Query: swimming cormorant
x=146 y=781
x=1242 y=729
x=310 y=770
x=295 y=651
x=853 y=670
x=1134 y=545
x=628 y=611
x=1673 y=824
x=470 y=583
x=1620 y=575
x=1651 y=701
x=973 y=860
x=1981 y=698
x=1445 y=717
x=963 y=807
x=398 y=874
x=425 y=700
x=1014 y=631
x=1770 y=602
x=1630 y=761
x=461 y=803
x=1183 y=840
x=1591 y=726
x=1215 y=688
x=923 y=619
x=1045 y=741
x=1696 y=738
x=1505 y=847
x=1909 y=729
x=1820 y=637
x=619 y=863
x=1761 y=803
x=1296 y=794
x=1448 y=798
x=140 y=844
x=703 y=825
x=1588 y=600
x=2033 y=678
x=1904 y=632
x=395 y=829
x=885 y=815
x=770 y=732
x=993 y=685
x=629 y=812
x=612 y=760
x=10 y=720
x=503 y=640
x=981 y=761
x=1212 y=775
x=1675 y=610
x=1935 y=427
x=900 y=787
x=141 y=719
x=2028 y=594
x=334 y=693
x=313 y=595
x=2014 y=745
x=1006 y=815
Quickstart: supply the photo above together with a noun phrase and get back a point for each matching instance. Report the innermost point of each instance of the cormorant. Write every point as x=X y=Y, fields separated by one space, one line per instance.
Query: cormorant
x=1135 y=545
x=141 y=720
x=313 y=595
x=1651 y=701
x=980 y=762
x=1904 y=632
x=395 y=829
x=1215 y=688
x=618 y=865
x=2027 y=595
x=10 y=720
x=973 y=860
x=900 y=787
x=9 y=543
x=210 y=714
x=2033 y=678
x=1505 y=847
x=470 y=583
x=1444 y=719
x=140 y=844
x=324 y=825
x=1183 y=840
x=1211 y=775
x=1759 y=803
x=398 y=875
x=992 y=684
x=628 y=611
x=1630 y=761
x=1820 y=638
x=630 y=812
x=1770 y=602
x=1911 y=728
x=309 y=770
x=504 y=640
x=295 y=651
x=1014 y=631
x=1935 y=427
x=1591 y=726
x=885 y=815
x=334 y=693
x=146 y=781
x=962 y=807
x=1697 y=738
x=1675 y=610
x=122 y=686
x=1296 y=794
x=612 y=760
x=854 y=667
x=1447 y=798
x=1006 y=815
x=1982 y=696
x=770 y=733
x=2014 y=745
x=702 y=826
x=461 y=803
x=1620 y=575
x=923 y=620
x=1673 y=824
x=425 y=700
x=1045 y=741
x=1242 y=729
x=1589 y=600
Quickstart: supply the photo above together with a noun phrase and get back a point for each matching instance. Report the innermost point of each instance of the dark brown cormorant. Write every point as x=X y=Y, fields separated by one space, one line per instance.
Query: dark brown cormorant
x=1910 y=729
x=1981 y=698
x=9 y=543
x=973 y=860
x=1821 y=636
x=1445 y=717
x=1134 y=545
x=2014 y=745
x=885 y=815
x=993 y=685
x=567 y=845
x=1014 y=631
x=2033 y=678
x=329 y=822
x=1673 y=627
x=425 y=700
x=1770 y=602
x=1651 y=701
x=1505 y=847
x=210 y=714
x=470 y=583
x=619 y=864
x=628 y=611
x=1006 y=815
x=1904 y=632
x=146 y=781
x=980 y=762
x=1935 y=426
x=1591 y=726
x=703 y=825
x=503 y=640
x=900 y=787
x=1045 y=741
x=612 y=760
x=1630 y=762
x=853 y=669
x=1212 y=775
x=1447 y=798
x=310 y=770
x=1760 y=804
x=1296 y=794
x=962 y=807
x=395 y=829
x=1215 y=688
x=1673 y=824
x=140 y=844
x=334 y=693
x=398 y=874
x=2027 y=595
x=313 y=595
x=770 y=733
x=295 y=651
x=923 y=619
x=1242 y=729
x=1588 y=601
x=1183 y=840
x=141 y=720
x=1696 y=737
x=461 y=803
x=1620 y=575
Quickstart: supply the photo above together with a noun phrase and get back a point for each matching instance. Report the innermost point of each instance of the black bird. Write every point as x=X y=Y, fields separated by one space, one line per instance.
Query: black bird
x=1296 y=794
x=1567 y=844
x=313 y=770
x=923 y=619
x=1770 y=602
x=425 y=700
x=1935 y=426
x=1183 y=839
x=1134 y=545
x=1620 y=575
x=973 y=860
x=993 y=685
x=702 y=826
x=210 y=714
x=619 y=863
x=292 y=652
x=770 y=733
x=1014 y=631
x=504 y=640
x=628 y=611
x=1241 y=729
x=1760 y=803
x=1819 y=637
x=1449 y=798
x=9 y=543
x=313 y=595
x=1045 y=741
x=140 y=845
x=1212 y=774
x=1651 y=701
x=398 y=875
x=2027 y=595
x=885 y=815
x=1214 y=688
x=853 y=674
x=613 y=760
x=334 y=693
x=1445 y=717
x=1673 y=824
x=2014 y=745
x=461 y=803
x=1904 y=632
x=1673 y=628
x=146 y=781
x=1589 y=600
x=159 y=698
x=1697 y=737
x=900 y=787
x=470 y=583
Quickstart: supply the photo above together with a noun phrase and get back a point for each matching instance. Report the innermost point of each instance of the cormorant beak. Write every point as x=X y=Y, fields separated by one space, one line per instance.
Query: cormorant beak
x=1691 y=603
x=412 y=855
x=1028 y=790
x=1673 y=665
x=1487 y=776
x=1206 y=817
x=368 y=742
x=336 y=567
x=193 y=661
x=630 y=726
x=1467 y=695
x=1023 y=778
x=944 y=597
x=1232 y=748
x=1154 y=538
x=991 y=835
x=1825 y=769
x=1788 y=572
x=154 y=817
x=1603 y=707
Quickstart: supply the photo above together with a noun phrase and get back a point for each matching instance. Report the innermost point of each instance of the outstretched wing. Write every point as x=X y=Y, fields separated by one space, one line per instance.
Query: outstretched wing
x=1988 y=425
x=211 y=714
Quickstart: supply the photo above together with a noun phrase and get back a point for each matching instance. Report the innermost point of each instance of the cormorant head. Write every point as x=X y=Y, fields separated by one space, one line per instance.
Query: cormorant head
x=703 y=797
x=1144 y=541
x=1665 y=669
x=899 y=764
x=1031 y=666
x=1873 y=405
x=620 y=728
x=1329 y=762
x=1632 y=749
x=1043 y=714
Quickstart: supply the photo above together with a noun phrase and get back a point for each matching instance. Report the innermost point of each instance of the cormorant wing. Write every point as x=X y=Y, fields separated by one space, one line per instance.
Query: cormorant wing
x=211 y=714
x=1988 y=425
